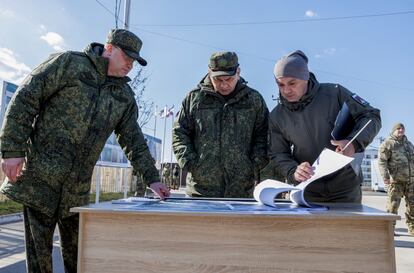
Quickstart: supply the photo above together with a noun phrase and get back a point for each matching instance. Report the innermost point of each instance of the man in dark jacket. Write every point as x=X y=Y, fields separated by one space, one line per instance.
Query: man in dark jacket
x=56 y=125
x=301 y=124
x=220 y=135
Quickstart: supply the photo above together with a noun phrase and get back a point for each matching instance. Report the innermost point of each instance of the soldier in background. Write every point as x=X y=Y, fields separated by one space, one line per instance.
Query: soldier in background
x=220 y=135
x=176 y=177
x=166 y=174
x=396 y=164
x=55 y=128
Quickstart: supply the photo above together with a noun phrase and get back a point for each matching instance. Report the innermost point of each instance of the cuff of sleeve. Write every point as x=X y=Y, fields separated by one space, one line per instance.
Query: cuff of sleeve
x=358 y=147
x=151 y=178
x=290 y=177
x=260 y=163
x=187 y=165
x=7 y=154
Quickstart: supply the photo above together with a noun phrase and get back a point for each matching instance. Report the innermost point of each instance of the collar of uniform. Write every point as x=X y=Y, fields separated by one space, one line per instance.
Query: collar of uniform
x=399 y=139
x=94 y=52
x=117 y=80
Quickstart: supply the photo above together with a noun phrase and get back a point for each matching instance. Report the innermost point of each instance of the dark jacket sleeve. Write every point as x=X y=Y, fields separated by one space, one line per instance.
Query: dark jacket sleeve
x=361 y=112
x=132 y=141
x=182 y=136
x=280 y=151
x=260 y=137
x=27 y=103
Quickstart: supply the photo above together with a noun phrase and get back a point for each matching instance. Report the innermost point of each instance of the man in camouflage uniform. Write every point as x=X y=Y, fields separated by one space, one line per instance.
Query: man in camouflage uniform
x=301 y=125
x=396 y=164
x=176 y=177
x=220 y=135
x=54 y=130
x=166 y=173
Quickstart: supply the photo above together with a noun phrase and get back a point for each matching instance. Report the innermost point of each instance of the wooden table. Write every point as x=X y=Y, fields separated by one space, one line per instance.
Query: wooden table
x=346 y=238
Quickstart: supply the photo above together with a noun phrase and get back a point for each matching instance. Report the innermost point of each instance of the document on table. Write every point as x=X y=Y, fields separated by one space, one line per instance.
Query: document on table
x=327 y=163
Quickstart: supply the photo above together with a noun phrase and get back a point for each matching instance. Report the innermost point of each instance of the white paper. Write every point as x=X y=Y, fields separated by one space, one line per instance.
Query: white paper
x=135 y=200
x=327 y=163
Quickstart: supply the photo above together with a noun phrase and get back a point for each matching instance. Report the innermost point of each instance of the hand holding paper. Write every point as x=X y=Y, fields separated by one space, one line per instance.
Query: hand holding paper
x=327 y=163
x=303 y=172
x=342 y=145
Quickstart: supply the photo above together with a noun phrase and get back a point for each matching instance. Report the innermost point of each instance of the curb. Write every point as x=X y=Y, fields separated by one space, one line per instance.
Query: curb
x=9 y=218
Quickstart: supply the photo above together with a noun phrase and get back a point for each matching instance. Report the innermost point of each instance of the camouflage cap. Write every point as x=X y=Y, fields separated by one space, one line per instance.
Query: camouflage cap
x=223 y=63
x=128 y=42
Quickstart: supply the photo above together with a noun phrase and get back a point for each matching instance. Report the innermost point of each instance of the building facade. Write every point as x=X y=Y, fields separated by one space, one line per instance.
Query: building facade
x=369 y=155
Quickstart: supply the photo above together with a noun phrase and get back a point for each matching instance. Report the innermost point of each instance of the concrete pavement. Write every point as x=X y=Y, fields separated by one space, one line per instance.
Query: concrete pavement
x=12 y=255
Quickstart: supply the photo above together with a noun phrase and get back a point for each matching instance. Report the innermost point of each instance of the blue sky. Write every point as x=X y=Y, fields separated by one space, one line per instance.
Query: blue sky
x=370 y=55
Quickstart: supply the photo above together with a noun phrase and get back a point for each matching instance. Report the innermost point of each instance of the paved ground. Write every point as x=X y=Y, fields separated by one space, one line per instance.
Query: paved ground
x=12 y=258
x=404 y=244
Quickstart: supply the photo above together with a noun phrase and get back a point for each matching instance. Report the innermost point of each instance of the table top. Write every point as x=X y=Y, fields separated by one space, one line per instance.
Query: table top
x=236 y=208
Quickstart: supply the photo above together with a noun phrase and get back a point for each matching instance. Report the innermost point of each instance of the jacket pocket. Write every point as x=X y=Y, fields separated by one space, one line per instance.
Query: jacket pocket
x=32 y=193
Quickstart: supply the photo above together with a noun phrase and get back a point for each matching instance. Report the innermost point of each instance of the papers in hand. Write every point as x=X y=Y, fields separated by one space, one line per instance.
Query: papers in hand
x=327 y=163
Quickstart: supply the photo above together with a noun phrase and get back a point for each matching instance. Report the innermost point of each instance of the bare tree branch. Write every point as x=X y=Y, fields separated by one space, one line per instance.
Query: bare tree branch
x=145 y=105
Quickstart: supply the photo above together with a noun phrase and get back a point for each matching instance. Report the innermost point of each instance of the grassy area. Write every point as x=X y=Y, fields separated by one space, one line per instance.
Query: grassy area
x=9 y=206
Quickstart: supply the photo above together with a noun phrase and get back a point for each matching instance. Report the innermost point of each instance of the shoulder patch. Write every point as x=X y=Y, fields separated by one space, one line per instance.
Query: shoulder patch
x=360 y=100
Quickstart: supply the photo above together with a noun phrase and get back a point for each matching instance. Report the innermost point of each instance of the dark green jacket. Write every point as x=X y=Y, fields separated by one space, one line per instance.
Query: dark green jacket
x=60 y=118
x=396 y=159
x=301 y=130
x=222 y=143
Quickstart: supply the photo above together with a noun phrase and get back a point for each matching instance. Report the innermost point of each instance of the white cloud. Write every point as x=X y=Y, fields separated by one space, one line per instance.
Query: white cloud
x=10 y=69
x=326 y=52
x=310 y=13
x=330 y=51
x=54 y=40
x=7 y=13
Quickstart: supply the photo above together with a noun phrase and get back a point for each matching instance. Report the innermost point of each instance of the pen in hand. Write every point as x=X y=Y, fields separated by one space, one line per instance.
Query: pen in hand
x=356 y=135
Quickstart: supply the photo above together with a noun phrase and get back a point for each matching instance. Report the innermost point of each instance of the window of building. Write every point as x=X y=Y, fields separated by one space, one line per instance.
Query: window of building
x=106 y=154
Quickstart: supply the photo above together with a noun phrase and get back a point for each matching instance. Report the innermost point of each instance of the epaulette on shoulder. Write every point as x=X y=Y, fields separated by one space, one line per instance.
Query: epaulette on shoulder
x=77 y=53
x=195 y=89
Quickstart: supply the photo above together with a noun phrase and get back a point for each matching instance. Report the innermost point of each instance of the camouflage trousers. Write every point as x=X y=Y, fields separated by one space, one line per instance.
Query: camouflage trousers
x=396 y=191
x=39 y=230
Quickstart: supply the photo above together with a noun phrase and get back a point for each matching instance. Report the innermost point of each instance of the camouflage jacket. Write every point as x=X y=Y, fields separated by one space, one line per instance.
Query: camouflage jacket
x=60 y=119
x=222 y=143
x=396 y=159
x=299 y=131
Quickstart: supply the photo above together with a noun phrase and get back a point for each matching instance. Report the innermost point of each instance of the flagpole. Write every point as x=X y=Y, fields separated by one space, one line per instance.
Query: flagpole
x=163 y=140
x=171 y=154
x=155 y=120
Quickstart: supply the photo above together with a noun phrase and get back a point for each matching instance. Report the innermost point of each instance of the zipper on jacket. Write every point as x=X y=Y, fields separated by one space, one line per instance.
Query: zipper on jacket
x=91 y=103
x=89 y=140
